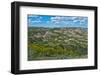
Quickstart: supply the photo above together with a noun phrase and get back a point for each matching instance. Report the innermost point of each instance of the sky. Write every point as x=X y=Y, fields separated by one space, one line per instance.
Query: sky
x=53 y=21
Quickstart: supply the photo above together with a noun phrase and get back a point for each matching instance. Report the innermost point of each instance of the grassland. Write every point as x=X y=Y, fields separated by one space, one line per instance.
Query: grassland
x=57 y=43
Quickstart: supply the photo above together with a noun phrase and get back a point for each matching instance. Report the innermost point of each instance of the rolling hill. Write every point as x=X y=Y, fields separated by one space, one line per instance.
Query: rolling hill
x=57 y=43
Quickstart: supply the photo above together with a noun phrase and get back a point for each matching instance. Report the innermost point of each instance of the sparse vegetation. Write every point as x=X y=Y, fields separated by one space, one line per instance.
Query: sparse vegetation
x=57 y=43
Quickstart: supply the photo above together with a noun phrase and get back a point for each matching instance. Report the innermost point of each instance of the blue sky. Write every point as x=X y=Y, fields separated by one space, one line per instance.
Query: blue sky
x=53 y=21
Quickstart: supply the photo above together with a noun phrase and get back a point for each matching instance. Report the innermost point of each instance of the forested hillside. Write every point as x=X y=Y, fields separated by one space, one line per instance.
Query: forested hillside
x=57 y=43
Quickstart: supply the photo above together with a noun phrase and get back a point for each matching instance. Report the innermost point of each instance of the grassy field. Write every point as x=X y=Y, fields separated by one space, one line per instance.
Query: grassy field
x=57 y=43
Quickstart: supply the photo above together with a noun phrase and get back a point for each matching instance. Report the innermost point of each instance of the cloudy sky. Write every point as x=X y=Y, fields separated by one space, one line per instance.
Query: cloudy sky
x=57 y=21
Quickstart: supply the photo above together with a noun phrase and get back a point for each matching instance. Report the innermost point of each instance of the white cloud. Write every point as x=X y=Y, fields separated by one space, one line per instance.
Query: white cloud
x=81 y=20
x=34 y=21
x=56 y=18
x=75 y=20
